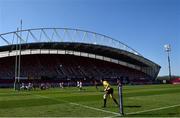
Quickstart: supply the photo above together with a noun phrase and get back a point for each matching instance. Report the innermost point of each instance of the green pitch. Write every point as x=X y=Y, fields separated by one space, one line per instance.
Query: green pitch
x=147 y=100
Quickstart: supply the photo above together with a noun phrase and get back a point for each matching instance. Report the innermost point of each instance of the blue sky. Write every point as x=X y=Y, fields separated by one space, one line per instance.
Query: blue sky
x=145 y=25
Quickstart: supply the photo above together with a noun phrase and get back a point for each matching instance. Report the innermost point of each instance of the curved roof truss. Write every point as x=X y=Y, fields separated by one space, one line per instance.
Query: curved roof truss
x=62 y=35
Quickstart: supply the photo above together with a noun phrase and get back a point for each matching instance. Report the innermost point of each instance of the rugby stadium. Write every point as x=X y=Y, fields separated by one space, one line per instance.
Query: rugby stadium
x=65 y=54
x=48 y=57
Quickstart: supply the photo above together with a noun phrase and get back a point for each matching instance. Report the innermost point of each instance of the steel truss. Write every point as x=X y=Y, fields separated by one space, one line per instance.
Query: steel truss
x=63 y=35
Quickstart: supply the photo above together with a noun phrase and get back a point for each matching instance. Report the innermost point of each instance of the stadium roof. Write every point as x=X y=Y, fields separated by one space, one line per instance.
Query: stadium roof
x=62 y=35
x=89 y=48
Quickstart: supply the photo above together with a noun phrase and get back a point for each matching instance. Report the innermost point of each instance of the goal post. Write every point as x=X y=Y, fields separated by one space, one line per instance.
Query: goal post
x=121 y=111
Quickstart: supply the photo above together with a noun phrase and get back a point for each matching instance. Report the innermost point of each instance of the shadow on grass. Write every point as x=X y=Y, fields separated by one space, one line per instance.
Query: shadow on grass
x=152 y=115
x=132 y=106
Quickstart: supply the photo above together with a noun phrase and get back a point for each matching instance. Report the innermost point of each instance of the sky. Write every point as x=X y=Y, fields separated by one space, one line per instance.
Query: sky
x=144 y=25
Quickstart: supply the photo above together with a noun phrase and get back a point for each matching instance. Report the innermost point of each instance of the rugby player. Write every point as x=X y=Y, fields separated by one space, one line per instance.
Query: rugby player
x=108 y=91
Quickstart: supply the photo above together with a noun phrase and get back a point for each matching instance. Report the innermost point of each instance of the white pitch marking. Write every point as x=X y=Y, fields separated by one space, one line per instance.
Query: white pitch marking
x=93 y=108
x=156 y=109
x=72 y=103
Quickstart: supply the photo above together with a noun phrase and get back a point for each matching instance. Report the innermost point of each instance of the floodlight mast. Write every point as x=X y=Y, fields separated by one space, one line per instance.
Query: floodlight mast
x=167 y=48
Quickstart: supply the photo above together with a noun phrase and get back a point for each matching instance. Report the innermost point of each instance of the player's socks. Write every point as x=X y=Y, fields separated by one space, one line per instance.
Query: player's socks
x=116 y=102
x=104 y=102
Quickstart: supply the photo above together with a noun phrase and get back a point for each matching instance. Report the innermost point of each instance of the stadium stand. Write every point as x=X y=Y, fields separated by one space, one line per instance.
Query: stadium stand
x=79 y=55
x=60 y=67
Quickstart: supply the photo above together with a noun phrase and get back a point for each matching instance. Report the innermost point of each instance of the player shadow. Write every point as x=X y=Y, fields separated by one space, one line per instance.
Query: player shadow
x=132 y=106
x=152 y=114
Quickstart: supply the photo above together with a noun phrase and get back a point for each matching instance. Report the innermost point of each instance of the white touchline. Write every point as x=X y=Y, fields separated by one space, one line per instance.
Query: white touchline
x=156 y=109
x=72 y=103
x=93 y=108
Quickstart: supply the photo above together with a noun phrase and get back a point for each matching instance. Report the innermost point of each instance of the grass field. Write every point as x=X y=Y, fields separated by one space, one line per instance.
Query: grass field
x=149 y=100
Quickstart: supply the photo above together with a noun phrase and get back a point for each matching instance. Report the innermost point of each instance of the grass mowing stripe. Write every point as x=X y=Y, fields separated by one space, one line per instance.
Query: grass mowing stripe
x=155 y=109
x=149 y=93
x=155 y=95
x=85 y=106
x=153 y=89
x=26 y=103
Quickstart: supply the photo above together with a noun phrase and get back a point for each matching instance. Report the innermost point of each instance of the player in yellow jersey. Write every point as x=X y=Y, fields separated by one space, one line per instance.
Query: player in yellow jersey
x=108 y=91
